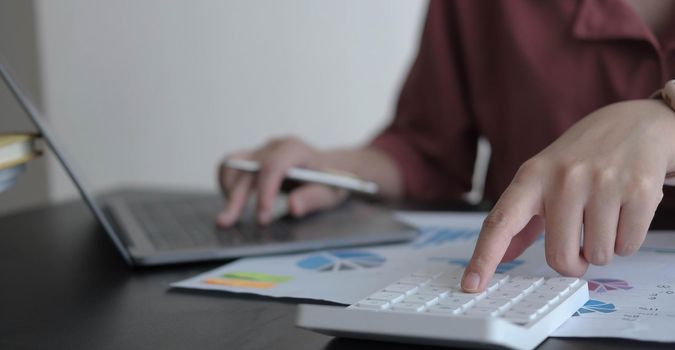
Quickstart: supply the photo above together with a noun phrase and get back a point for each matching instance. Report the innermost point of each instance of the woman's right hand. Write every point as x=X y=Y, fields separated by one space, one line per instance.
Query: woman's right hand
x=275 y=158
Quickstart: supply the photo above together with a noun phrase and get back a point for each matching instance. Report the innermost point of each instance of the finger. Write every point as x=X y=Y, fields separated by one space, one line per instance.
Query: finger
x=236 y=201
x=228 y=176
x=601 y=218
x=564 y=215
x=275 y=161
x=269 y=182
x=517 y=205
x=230 y=179
x=311 y=198
x=634 y=220
x=525 y=238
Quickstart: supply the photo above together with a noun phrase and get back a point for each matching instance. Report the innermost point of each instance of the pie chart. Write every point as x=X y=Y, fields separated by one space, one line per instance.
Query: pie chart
x=602 y=285
x=595 y=306
x=341 y=260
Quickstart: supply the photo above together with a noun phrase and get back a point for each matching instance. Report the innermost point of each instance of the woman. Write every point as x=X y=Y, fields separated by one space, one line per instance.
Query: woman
x=559 y=88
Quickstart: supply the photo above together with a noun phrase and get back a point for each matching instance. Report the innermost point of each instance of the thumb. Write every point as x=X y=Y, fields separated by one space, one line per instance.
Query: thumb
x=310 y=198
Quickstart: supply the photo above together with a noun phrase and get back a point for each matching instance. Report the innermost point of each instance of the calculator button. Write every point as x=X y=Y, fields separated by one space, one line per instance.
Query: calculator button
x=372 y=304
x=496 y=304
x=408 y=307
x=539 y=297
x=387 y=296
x=414 y=280
x=427 y=273
x=424 y=299
x=570 y=281
x=524 y=286
x=457 y=301
x=482 y=312
x=401 y=288
x=445 y=309
x=444 y=285
x=448 y=279
x=514 y=295
x=553 y=300
x=492 y=286
x=530 y=279
x=430 y=290
x=556 y=289
x=533 y=306
x=500 y=277
x=460 y=293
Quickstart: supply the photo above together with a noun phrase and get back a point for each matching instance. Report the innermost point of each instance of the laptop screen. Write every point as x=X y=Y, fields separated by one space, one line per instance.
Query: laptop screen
x=46 y=131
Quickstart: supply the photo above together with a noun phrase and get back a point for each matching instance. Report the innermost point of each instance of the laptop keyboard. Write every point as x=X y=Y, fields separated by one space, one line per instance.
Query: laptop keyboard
x=182 y=223
x=177 y=224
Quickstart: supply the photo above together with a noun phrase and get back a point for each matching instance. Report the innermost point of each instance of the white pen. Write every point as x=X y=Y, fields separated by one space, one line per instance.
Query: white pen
x=332 y=179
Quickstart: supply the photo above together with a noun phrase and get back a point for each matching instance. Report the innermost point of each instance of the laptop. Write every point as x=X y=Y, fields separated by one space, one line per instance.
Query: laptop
x=158 y=227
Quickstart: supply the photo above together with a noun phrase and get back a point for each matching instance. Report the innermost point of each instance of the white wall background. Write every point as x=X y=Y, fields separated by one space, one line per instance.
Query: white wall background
x=156 y=91
x=18 y=51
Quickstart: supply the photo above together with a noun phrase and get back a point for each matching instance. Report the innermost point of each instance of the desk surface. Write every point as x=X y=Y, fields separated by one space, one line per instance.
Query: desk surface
x=65 y=287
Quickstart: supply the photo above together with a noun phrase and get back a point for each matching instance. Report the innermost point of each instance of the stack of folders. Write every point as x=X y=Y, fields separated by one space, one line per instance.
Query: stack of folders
x=15 y=151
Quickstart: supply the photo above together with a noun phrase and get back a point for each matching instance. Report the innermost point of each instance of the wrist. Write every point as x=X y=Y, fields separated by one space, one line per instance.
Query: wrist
x=658 y=121
x=370 y=164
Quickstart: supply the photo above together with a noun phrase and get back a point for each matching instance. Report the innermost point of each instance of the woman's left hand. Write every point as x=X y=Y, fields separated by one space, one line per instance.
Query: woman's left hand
x=604 y=174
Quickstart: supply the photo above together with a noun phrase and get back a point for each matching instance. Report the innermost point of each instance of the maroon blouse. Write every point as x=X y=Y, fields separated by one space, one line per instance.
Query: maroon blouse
x=519 y=73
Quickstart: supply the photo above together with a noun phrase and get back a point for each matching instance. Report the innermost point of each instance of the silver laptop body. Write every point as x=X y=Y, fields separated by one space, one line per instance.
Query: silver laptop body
x=160 y=227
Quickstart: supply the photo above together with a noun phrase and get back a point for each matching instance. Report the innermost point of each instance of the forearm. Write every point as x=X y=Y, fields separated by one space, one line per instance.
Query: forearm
x=370 y=164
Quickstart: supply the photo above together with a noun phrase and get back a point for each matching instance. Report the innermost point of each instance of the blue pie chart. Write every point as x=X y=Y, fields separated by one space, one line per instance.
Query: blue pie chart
x=595 y=306
x=341 y=260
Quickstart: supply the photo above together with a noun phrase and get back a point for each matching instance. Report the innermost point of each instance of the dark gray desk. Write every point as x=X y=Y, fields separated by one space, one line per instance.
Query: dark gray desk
x=64 y=287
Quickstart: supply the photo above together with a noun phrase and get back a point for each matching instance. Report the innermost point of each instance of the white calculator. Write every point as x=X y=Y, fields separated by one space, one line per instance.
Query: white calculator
x=429 y=307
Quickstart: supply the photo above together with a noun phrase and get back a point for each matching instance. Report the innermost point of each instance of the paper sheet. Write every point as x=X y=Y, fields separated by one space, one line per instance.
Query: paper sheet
x=631 y=298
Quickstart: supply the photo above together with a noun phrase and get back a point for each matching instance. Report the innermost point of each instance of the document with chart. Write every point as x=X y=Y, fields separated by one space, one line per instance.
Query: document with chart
x=634 y=297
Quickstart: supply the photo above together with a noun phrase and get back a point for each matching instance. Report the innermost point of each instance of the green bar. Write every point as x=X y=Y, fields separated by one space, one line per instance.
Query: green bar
x=257 y=276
